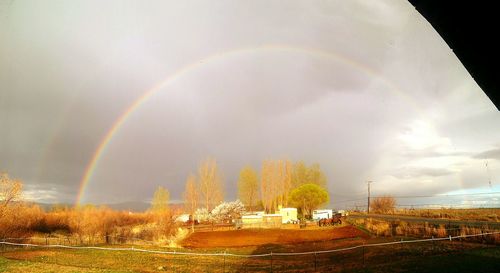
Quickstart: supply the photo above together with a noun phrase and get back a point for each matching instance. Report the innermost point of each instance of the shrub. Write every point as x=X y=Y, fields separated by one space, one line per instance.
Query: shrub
x=380 y=228
x=385 y=204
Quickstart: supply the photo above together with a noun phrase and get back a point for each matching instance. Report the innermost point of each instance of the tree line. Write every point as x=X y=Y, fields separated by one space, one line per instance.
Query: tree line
x=279 y=183
x=87 y=224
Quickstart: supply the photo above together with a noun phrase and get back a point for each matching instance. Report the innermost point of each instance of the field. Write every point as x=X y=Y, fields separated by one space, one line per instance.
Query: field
x=456 y=256
x=478 y=214
x=259 y=237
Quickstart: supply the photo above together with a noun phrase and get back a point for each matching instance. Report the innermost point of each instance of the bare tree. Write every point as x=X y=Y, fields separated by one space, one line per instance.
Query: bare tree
x=276 y=183
x=210 y=184
x=286 y=182
x=316 y=175
x=248 y=187
x=160 y=200
x=266 y=185
x=302 y=174
x=10 y=191
x=384 y=204
x=191 y=197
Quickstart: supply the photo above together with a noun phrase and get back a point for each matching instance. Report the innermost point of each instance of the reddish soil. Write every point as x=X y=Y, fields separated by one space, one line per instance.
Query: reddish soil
x=256 y=237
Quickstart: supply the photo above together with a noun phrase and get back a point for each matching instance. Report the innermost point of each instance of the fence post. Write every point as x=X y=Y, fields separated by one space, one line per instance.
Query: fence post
x=363 y=247
x=315 y=266
x=271 y=262
x=224 y=268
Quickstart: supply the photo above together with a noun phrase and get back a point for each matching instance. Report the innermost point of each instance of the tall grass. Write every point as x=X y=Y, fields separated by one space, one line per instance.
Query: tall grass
x=383 y=228
x=87 y=224
x=481 y=214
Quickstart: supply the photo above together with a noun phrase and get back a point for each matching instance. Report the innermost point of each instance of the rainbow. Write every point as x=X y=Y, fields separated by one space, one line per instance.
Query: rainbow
x=106 y=140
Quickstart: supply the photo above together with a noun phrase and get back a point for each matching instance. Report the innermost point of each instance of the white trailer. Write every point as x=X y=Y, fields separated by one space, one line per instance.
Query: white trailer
x=322 y=214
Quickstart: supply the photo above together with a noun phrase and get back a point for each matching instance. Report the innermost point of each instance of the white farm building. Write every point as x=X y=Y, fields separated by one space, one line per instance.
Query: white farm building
x=322 y=214
x=288 y=215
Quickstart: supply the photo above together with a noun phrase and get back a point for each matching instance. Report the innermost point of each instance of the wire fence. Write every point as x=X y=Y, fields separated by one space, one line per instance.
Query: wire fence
x=306 y=261
x=392 y=228
x=450 y=238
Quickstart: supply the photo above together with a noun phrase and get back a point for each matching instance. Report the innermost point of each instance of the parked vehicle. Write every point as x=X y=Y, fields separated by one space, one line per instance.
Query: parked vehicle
x=335 y=219
x=343 y=212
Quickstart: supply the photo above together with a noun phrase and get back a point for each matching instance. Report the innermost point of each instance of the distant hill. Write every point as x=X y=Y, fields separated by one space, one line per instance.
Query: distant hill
x=138 y=206
x=133 y=206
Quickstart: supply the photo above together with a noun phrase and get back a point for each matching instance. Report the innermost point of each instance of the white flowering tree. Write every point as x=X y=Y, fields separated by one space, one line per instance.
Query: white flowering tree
x=202 y=215
x=228 y=210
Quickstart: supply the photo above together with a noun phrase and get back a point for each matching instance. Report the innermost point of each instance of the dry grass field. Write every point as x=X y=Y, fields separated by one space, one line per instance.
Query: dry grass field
x=480 y=214
x=416 y=257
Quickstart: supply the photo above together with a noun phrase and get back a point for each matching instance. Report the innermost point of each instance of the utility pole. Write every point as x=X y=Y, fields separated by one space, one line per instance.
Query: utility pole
x=368 y=205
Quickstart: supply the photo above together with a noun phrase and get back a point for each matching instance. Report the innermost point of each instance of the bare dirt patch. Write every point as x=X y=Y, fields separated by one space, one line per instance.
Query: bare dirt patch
x=257 y=237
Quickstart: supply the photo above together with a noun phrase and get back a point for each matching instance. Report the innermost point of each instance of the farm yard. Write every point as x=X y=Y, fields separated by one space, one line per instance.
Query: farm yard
x=231 y=237
x=293 y=250
x=247 y=136
x=260 y=237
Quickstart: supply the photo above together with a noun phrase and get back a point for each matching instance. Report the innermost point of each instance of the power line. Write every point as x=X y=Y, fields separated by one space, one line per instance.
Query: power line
x=427 y=196
x=420 y=196
x=345 y=201
x=347 y=195
x=442 y=195
x=447 y=205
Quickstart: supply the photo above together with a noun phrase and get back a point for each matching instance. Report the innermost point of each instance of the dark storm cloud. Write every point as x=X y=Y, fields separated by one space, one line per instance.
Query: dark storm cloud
x=383 y=101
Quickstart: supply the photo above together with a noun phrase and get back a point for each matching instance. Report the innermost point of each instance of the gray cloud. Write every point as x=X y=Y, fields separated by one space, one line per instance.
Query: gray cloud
x=71 y=69
x=419 y=172
x=430 y=152
x=489 y=154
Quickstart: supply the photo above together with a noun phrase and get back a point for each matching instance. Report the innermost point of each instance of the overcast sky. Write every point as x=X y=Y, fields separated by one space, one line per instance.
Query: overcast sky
x=367 y=89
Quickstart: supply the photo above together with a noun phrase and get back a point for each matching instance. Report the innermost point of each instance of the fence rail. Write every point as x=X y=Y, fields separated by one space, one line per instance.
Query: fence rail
x=450 y=238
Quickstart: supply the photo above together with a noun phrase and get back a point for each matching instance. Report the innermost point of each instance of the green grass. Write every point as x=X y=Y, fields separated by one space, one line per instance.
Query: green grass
x=8 y=265
x=440 y=257
x=474 y=260
x=66 y=260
